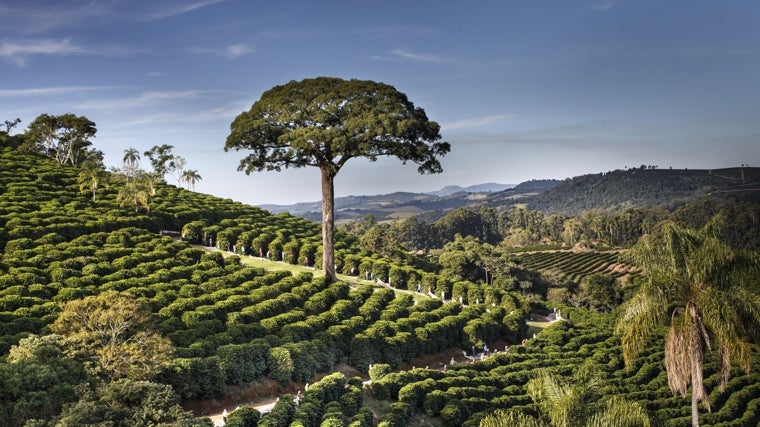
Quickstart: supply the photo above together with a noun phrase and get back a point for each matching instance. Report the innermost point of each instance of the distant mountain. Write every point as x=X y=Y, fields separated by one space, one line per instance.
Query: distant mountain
x=537 y=185
x=489 y=187
x=607 y=191
x=396 y=205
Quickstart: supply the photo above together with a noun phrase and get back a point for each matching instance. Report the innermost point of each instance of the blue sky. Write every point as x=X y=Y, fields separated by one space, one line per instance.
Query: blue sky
x=522 y=89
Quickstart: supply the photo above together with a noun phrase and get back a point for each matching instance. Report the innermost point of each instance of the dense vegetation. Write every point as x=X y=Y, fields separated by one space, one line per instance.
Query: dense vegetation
x=647 y=187
x=183 y=260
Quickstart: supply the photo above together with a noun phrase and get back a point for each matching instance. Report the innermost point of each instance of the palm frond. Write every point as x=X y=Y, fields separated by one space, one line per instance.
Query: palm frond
x=511 y=418
x=677 y=357
x=618 y=412
x=641 y=316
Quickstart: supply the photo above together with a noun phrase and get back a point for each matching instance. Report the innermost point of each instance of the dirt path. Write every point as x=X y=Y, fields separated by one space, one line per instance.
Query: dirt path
x=263 y=407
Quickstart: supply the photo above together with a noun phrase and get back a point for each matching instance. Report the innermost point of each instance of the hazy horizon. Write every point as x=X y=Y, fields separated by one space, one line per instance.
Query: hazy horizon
x=522 y=90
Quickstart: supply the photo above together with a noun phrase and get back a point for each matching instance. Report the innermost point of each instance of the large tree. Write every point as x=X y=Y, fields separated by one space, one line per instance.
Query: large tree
x=702 y=290
x=324 y=122
x=65 y=138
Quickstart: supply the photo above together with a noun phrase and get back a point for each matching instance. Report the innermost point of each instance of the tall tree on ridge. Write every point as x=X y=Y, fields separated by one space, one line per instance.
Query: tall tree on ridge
x=65 y=138
x=324 y=122
x=701 y=289
x=191 y=177
x=162 y=160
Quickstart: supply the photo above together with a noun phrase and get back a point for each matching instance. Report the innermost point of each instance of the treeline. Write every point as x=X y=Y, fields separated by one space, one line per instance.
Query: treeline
x=524 y=228
x=648 y=187
x=68 y=139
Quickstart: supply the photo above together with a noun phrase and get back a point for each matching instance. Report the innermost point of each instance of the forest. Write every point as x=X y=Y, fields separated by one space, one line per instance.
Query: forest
x=126 y=300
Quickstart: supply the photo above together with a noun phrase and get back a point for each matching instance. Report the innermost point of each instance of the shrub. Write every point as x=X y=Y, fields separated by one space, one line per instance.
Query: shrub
x=244 y=416
x=398 y=416
x=454 y=413
x=280 y=365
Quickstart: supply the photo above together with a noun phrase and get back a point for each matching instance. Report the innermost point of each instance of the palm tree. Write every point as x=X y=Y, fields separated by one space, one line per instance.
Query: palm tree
x=137 y=192
x=698 y=286
x=91 y=175
x=131 y=194
x=131 y=164
x=191 y=177
x=576 y=403
x=131 y=157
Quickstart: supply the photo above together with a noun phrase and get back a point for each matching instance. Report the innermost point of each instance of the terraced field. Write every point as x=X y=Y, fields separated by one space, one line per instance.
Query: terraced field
x=573 y=266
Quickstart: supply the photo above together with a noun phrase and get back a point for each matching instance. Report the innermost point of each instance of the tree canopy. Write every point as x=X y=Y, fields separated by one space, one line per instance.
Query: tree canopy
x=65 y=138
x=324 y=122
x=702 y=290
x=114 y=330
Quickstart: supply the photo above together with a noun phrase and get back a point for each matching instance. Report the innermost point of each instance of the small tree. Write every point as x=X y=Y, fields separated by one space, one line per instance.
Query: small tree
x=161 y=160
x=244 y=416
x=324 y=122
x=91 y=175
x=137 y=191
x=131 y=158
x=578 y=402
x=115 y=331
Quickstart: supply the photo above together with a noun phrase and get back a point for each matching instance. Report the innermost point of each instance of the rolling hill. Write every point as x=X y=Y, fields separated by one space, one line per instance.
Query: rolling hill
x=608 y=191
x=234 y=324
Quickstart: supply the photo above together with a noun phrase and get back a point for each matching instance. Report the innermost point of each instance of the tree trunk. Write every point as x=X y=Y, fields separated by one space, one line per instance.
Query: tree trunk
x=694 y=401
x=328 y=224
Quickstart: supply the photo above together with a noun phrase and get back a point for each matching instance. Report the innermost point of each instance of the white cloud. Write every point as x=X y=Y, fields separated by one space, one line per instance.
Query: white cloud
x=477 y=121
x=19 y=51
x=604 y=5
x=145 y=98
x=232 y=51
x=403 y=54
x=238 y=49
x=36 y=18
x=50 y=91
x=180 y=9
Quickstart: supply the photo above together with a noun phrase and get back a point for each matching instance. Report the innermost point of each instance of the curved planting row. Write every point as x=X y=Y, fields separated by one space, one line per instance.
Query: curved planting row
x=573 y=266
x=466 y=392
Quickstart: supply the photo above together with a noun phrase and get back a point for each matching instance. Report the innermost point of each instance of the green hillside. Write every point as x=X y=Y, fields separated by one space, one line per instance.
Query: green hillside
x=232 y=328
x=648 y=188
x=637 y=188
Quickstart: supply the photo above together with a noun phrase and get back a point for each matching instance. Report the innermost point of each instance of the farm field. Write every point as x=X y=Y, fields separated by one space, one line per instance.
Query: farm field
x=234 y=320
x=574 y=265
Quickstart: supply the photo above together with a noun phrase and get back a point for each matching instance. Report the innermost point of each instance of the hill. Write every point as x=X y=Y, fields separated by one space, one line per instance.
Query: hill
x=648 y=188
x=234 y=323
x=195 y=261
x=607 y=192
x=489 y=187
x=400 y=205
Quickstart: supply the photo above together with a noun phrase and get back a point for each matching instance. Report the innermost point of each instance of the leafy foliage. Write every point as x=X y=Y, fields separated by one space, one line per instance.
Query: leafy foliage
x=325 y=122
x=702 y=290
x=184 y=262
x=114 y=330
